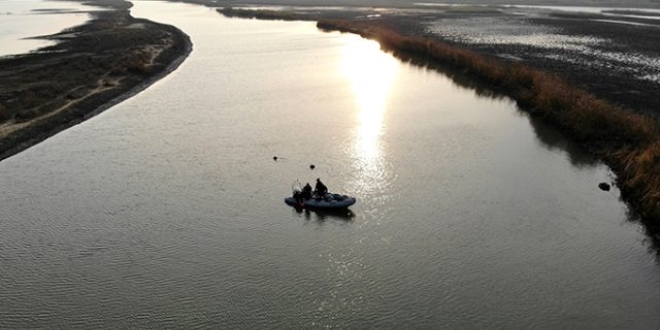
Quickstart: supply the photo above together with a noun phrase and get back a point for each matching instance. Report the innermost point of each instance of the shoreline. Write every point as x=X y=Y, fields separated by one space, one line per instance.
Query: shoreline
x=109 y=90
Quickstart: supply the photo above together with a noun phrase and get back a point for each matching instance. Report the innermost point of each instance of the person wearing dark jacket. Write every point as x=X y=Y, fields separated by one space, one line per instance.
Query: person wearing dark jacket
x=306 y=191
x=320 y=189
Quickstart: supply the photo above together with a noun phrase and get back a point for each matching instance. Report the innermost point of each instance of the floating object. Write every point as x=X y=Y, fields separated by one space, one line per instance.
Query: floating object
x=312 y=166
x=604 y=186
x=328 y=202
x=275 y=158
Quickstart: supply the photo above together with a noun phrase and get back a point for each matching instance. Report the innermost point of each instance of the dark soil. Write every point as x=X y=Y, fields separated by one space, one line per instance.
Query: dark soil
x=610 y=81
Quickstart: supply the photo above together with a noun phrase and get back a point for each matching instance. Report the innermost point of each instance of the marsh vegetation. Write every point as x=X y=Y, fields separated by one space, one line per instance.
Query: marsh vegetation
x=265 y=14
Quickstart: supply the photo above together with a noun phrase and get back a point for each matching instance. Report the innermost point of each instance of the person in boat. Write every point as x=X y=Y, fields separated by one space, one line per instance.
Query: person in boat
x=301 y=195
x=320 y=189
x=306 y=192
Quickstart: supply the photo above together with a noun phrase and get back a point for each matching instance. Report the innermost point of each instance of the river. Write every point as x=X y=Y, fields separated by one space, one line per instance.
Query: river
x=166 y=211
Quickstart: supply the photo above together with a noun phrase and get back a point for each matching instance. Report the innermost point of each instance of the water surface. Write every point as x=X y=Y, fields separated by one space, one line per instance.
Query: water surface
x=167 y=212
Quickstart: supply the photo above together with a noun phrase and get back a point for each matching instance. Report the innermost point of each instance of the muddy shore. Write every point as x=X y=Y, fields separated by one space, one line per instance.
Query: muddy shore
x=91 y=68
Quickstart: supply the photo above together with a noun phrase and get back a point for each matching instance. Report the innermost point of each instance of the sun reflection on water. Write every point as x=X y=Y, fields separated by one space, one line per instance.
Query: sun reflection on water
x=371 y=74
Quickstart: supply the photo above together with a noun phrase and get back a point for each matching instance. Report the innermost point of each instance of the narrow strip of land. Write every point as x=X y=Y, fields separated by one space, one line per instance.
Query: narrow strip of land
x=91 y=68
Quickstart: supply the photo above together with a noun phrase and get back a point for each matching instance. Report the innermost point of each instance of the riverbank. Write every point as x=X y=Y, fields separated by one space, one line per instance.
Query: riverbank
x=92 y=67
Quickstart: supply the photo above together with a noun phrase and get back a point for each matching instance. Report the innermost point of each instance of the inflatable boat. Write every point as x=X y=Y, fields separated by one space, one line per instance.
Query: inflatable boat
x=327 y=202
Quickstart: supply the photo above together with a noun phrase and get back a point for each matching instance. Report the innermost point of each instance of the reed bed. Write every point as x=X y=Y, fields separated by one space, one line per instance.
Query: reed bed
x=628 y=142
x=263 y=14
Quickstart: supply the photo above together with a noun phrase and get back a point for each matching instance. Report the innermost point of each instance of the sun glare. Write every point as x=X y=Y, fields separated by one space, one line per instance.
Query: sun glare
x=371 y=74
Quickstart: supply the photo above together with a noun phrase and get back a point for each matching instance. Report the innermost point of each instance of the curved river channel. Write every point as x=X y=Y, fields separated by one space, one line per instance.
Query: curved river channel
x=166 y=211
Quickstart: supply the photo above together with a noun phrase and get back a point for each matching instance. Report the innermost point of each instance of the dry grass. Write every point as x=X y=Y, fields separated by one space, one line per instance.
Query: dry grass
x=263 y=14
x=628 y=142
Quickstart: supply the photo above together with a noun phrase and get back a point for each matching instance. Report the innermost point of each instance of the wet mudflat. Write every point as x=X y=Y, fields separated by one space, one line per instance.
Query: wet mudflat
x=611 y=52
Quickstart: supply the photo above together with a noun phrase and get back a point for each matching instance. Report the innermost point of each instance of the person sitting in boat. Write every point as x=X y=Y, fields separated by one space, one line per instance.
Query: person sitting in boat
x=302 y=195
x=306 y=191
x=320 y=189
